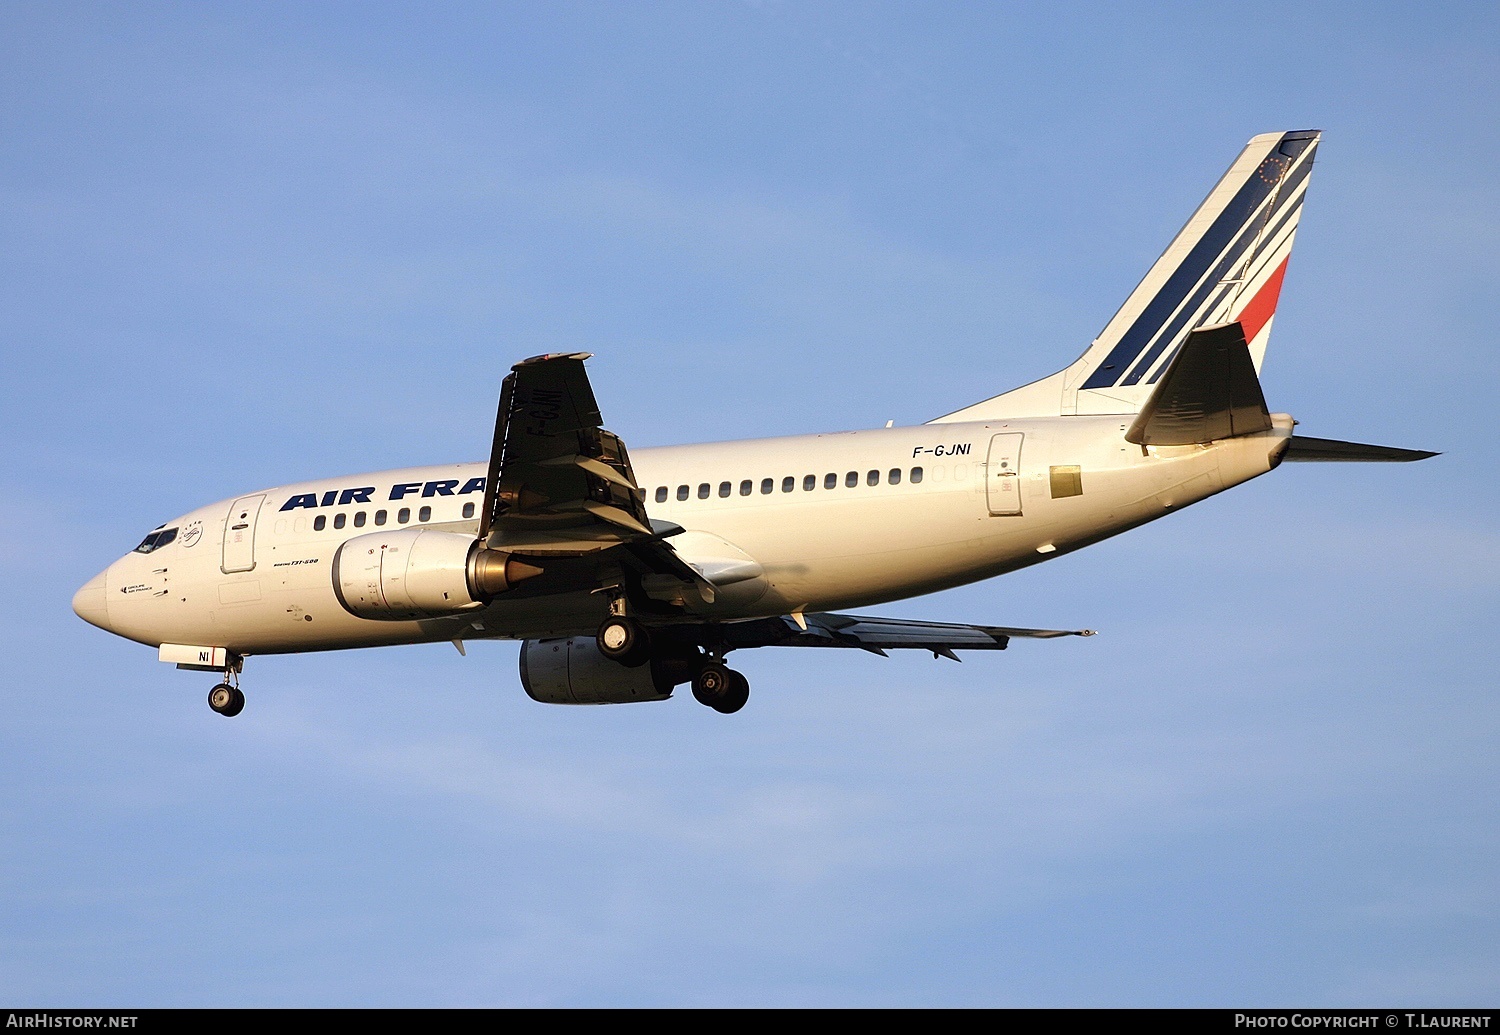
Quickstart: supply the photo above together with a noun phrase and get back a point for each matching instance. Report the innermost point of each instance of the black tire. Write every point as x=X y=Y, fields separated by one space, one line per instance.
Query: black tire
x=735 y=695
x=238 y=705
x=624 y=641
x=721 y=688
x=710 y=684
x=226 y=700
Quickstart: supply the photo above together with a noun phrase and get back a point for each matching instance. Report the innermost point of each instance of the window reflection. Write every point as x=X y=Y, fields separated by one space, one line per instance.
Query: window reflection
x=156 y=540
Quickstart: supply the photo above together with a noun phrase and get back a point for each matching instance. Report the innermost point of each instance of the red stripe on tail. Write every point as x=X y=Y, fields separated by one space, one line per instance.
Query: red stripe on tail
x=1263 y=306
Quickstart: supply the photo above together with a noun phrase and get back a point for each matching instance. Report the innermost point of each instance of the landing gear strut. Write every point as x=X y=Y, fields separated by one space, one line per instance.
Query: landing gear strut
x=721 y=688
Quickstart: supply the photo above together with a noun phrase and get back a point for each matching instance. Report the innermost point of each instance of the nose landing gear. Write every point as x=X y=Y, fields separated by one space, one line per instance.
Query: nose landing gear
x=227 y=700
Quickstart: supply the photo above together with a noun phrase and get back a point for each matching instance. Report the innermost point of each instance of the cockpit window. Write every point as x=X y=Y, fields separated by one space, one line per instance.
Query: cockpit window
x=156 y=540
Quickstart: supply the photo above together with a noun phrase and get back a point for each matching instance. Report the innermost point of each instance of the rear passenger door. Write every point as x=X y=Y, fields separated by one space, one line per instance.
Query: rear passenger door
x=1003 y=474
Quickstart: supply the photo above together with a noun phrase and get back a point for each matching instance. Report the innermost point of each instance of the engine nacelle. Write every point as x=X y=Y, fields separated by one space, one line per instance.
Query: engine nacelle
x=414 y=573
x=572 y=671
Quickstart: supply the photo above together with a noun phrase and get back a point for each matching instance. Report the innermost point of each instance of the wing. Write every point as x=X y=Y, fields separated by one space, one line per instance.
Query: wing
x=558 y=482
x=560 y=485
x=877 y=635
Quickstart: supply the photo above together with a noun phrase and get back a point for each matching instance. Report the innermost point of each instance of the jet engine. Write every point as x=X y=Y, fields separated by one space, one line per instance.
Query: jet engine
x=572 y=671
x=414 y=573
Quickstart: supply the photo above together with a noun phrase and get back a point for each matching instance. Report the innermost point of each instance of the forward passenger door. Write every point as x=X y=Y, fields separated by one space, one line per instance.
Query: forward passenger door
x=239 y=534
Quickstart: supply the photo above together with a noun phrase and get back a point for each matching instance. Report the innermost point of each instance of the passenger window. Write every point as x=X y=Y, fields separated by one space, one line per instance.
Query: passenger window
x=895 y=476
x=746 y=486
x=767 y=485
x=809 y=483
x=403 y=515
x=299 y=525
x=425 y=514
x=851 y=479
x=682 y=492
x=359 y=520
x=320 y=522
x=872 y=478
x=724 y=489
x=916 y=476
x=469 y=509
x=661 y=494
x=338 y=521
x=703 y=490
x=380 y=517
x=788 y=483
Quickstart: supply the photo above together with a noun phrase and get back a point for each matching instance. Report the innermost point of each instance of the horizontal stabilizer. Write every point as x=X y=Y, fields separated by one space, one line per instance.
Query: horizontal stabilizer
x=1209 y=392
x=880 y=634
x=1331 y=449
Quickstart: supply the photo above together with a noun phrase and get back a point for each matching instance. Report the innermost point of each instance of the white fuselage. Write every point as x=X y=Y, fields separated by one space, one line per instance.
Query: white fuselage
x=989 y=498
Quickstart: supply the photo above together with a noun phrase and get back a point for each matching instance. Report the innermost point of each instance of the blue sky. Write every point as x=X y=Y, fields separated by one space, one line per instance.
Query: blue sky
x=245 y=245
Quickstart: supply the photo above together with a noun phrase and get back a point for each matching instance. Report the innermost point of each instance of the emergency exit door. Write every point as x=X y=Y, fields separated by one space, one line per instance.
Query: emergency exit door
x=239 y=534
x=1002 y=474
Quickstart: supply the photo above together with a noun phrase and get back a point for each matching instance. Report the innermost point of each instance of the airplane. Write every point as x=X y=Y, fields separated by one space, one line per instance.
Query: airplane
x=626 y=576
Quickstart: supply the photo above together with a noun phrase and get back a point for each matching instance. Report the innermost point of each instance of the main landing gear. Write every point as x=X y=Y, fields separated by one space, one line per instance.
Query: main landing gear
x=627 y=642
x=624 y=640
x=721 y=688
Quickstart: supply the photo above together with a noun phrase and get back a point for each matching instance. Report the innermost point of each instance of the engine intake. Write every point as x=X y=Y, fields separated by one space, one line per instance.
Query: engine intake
x=415 y=573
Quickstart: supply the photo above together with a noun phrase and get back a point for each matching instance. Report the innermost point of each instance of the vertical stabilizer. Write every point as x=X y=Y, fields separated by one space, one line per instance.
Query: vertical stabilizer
x=1224 y=266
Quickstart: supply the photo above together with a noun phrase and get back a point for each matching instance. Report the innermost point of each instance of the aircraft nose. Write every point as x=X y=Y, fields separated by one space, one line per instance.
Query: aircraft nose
x=91 y=602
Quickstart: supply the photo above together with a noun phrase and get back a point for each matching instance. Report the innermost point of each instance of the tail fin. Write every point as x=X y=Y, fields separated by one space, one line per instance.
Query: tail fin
x=1224 y=266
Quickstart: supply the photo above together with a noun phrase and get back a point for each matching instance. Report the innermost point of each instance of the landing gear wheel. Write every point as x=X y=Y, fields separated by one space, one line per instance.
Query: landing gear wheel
x=736 y=696
x=226 y=700
x=721 y=688
x=624 y=640
x=710 y=683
